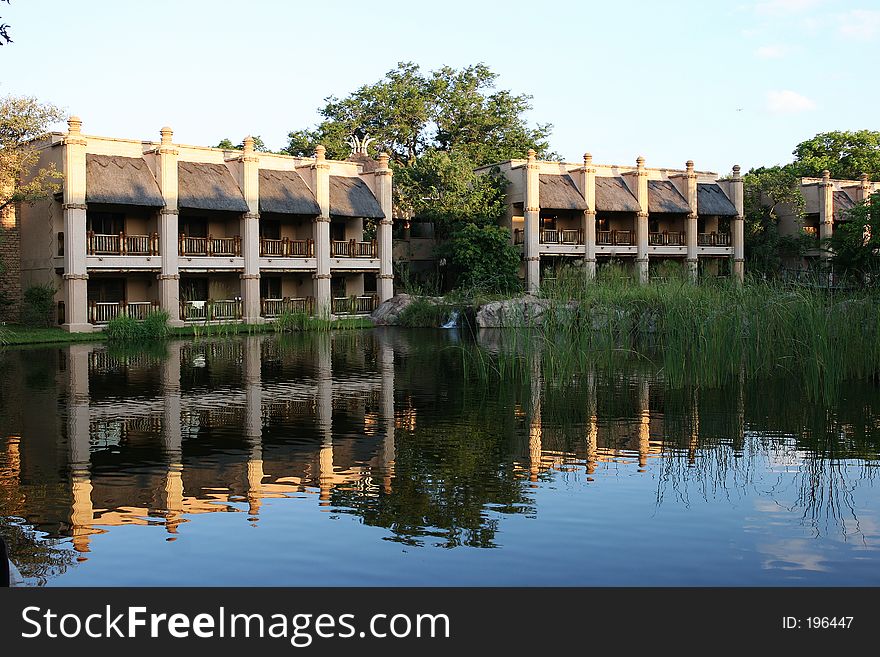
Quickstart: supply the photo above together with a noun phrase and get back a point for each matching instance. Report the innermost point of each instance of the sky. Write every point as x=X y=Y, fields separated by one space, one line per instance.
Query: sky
x=716 y=82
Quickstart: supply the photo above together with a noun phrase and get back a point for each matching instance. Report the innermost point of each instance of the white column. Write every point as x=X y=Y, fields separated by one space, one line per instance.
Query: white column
x=737 y=225
x=589 y=190
x=690 y=187
x=642 y=220
x=169 y=277
x=383 y=178
x=76 y=278
x=322 y=233
x=250 y=234
x=532 y=224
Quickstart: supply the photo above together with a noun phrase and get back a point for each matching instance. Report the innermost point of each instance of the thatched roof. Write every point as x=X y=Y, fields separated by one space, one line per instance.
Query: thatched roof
x=122 y=180
x=287 y=193
x=843 y=203
x=208 y=187
x=350 y=197
x=664 y=197
x=558 y=192
x=612 y=195
x=712 y=201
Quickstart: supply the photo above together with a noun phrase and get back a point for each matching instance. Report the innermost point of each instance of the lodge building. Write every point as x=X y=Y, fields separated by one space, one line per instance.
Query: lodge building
x=589 y=213
x=206 y=234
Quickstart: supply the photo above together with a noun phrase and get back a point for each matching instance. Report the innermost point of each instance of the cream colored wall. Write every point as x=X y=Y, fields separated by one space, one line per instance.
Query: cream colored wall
x=354 y=284
x=295 y=285
x=296 y=229
x=354 y=229
x=669 y=223
x=39 y=226
x=619 y=221
x=710 y=224
x=141 y=288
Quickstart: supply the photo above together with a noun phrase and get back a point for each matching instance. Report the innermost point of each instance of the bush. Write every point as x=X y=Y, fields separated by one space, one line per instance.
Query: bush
x=482 y=258
x=127 y=329
x=421 y=313
x=38 y=306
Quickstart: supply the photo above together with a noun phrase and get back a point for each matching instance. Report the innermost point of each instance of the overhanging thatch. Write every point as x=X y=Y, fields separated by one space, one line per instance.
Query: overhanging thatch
x=712 y=201
x=558 y=192
x=664 y=197
x=208 y=187
x=350 y=197
x=612 y=195
x=286 y=192
x=843 y=203
x=121 y=180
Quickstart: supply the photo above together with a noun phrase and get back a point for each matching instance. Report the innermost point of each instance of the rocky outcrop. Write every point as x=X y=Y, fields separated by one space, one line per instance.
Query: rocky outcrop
x=512 y=313
x=389 y=311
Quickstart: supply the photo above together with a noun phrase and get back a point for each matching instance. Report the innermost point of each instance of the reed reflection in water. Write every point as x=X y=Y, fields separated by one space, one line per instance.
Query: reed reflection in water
x=375 y=457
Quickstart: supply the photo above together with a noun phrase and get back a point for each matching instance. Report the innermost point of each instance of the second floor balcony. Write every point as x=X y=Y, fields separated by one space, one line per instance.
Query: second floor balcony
x=209 y=246
x=287 y=248
x=561 y=236
x=354 y=249
x=122 y=244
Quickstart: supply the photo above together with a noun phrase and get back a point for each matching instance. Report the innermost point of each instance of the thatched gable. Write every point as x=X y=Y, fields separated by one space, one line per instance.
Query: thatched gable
x=285 y=192
x=208 y=187
x=558 y=192
x=712 y=201
x=121 y=180
x=612 y=195
x=663 y=197
x=843 y=203
x=350 y=197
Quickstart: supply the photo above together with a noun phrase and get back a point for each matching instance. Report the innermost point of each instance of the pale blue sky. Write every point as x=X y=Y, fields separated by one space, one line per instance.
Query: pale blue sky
x=716 y=82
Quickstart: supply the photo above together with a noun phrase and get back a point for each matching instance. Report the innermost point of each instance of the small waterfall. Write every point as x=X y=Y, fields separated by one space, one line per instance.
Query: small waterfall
x=452 y=322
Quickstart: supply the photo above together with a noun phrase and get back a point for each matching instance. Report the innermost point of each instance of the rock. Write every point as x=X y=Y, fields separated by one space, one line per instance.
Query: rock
x=512 y=313
x=389 y=311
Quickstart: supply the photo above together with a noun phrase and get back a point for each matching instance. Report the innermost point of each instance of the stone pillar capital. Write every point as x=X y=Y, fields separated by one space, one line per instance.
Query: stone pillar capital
x=251 y=215
x=74 y=206
x=75 y=277
x=249 y=276
x=166 y=134
x=166 y=210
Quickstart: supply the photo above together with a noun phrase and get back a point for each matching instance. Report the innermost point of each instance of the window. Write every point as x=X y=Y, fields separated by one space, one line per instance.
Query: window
x=105 y=223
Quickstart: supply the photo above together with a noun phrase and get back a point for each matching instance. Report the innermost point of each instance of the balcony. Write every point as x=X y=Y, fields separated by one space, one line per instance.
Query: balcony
x=353 y=249
x=354 y=305
x=713 y=239
x=101 y=312
x=667 y=238
x=567 y=236
x=122 y=244
x=614 y=238
x=209 y=246
x=287 y=248
x=271 y=308
x=210 y=310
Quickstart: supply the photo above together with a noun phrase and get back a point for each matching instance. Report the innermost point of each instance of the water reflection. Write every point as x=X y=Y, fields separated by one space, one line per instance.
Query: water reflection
x=382 y=427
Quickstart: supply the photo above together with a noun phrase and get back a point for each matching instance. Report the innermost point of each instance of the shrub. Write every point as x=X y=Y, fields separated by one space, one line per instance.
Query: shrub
x=482 y=258
x=38 y=306
x=421 y=313
x=127 y=329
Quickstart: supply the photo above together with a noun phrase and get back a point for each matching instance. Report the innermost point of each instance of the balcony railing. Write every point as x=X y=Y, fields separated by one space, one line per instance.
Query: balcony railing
x=354 y=305
x=667 y=238
x=209 y=246
x=353 y=249
x=614 y=237
x=101 y=312
x=713 y=239
x=122 y=244
x=210 y=310
x=277 y=307
x=287 y=248
x=566 y=236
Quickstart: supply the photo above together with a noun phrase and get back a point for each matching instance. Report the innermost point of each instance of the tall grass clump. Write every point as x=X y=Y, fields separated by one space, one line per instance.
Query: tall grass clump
x=423 y=313
x=153 y=327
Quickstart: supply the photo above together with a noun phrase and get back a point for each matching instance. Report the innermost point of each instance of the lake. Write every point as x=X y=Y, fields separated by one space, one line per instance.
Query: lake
x=377 y=458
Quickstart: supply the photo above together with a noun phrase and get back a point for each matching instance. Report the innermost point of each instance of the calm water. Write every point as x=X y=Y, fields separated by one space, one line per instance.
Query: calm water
x=363 y=458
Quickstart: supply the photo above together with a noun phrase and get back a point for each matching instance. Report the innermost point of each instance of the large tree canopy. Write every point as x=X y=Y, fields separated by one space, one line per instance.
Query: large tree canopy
x=847 y=155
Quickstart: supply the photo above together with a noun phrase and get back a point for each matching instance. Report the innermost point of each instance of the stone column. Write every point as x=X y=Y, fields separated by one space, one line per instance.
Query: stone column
x=736 y=225
x=322 y=233
x=169 y=276
x=589 y=190
x=642 y=220
x=76 y=278
x=532 y=224
x=250 y=234
x=690 y=186
x=172 y=439
x=826 y=213
x=81 y=510
x=253 y=423
x=864 y=190
x=383 y=178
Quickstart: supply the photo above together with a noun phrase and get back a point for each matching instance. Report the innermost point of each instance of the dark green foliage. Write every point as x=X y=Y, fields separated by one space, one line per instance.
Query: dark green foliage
x=482 y=259
x=846 y=154
x=127 y=329
x=855 y=243
x=289 y=322
x=38 y=306
x=422 y=313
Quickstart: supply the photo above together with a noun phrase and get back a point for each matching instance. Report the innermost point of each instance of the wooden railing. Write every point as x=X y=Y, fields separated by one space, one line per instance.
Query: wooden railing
x=566 y=236
x=713 y=239
x=209 y=246
x=101 y=312
x=287 y=248
x=668 y=238
x=277 y=307
x=354 y=305
x=210 y=310
x=121 y=244
x=353 y=249
x=614 y=237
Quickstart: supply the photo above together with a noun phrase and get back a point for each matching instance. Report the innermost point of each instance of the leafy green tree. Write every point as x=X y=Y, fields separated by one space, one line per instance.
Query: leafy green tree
x=855 y=242
x=847 y=155
x=482 y=258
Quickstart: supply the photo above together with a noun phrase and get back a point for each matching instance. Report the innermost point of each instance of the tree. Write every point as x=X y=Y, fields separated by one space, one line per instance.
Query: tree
x=4 y=30
x=482 y=258
x=23 y=119
x=855 y=242
x=770 y=192
x=259 y=145
x=847 y=155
